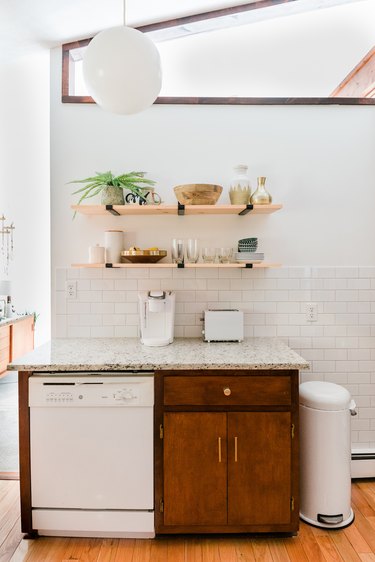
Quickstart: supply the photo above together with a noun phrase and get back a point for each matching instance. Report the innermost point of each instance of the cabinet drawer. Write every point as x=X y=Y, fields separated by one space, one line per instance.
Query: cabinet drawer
x=5 y=343
x=4 y=332
x=3 y=365
x=5 y=354
x=225 y=390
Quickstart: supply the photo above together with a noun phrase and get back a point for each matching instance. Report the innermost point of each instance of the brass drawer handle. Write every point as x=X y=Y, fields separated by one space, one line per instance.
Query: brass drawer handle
x=227 y=391
x=219 y=444
x=235 y=449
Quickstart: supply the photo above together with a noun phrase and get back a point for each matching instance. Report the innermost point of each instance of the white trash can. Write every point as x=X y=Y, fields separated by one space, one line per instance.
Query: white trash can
x=325 y=454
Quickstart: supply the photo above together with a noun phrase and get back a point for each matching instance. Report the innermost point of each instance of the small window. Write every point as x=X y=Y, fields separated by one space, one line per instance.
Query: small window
x=227 y=56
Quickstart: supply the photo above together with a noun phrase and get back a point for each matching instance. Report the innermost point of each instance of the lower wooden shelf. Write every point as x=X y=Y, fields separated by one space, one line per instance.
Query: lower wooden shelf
x=260 y=265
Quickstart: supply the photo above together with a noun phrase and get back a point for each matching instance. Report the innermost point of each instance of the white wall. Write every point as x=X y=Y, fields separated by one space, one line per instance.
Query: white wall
x=25 y=182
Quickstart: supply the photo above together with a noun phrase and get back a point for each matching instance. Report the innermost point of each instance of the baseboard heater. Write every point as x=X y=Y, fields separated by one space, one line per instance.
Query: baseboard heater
x=363 y=463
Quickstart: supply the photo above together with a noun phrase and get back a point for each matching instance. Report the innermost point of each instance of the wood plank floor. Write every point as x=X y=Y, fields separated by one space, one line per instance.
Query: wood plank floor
x=354 y=544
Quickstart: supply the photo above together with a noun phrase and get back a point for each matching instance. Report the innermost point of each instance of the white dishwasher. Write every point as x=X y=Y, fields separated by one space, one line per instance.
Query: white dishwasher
x=91 y=440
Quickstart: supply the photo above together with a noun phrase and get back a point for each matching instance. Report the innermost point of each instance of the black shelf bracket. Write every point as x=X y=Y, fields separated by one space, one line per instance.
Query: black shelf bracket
x=111 y=210
x=246 y=210
x=109 y=265
x=180 y=209
x=248 y=265
x=181 y=265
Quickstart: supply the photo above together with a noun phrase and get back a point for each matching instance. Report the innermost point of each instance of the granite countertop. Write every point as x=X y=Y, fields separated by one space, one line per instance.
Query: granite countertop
x=14 y=319
x=103 y=354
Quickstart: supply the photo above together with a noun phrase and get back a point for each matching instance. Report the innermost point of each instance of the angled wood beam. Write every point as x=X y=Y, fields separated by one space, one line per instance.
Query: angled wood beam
x=360 y=82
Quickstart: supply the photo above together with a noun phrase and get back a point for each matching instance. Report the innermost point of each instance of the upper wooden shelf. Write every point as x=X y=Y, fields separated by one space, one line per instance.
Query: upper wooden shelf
x=175 y=209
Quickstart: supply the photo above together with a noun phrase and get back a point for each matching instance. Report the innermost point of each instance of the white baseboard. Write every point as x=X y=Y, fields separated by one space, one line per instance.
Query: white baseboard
x=363 y=463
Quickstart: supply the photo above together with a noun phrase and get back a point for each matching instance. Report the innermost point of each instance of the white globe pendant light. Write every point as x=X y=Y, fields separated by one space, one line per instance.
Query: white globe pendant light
x=121 y=69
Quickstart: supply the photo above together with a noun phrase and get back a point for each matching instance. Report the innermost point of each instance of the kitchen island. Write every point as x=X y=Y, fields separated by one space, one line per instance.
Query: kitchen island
x=225 y=427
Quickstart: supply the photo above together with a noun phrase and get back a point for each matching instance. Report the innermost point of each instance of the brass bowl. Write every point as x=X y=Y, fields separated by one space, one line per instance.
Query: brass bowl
x=142 y=256
x=198 y=193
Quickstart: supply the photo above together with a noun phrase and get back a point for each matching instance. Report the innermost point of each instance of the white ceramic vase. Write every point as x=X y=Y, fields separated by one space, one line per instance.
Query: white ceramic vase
x=114 y=244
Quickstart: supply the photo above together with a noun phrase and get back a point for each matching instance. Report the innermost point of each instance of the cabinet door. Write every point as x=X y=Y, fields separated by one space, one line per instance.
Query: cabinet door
x=259 y=468
x=195 y=468
x=4 y=348
x=22 y=337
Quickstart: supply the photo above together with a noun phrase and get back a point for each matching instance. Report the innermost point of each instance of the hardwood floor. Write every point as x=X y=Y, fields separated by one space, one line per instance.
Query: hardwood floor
x=354 y=544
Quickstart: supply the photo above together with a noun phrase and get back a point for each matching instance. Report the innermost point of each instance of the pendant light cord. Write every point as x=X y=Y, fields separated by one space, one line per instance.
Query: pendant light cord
x=124 y=13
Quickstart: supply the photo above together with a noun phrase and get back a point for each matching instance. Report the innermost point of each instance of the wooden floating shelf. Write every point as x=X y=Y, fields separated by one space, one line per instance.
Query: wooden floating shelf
x=260 y=265
x=175 y=209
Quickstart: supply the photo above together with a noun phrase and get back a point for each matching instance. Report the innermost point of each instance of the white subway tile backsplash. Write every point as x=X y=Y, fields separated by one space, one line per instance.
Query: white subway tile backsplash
x=78 y=308
x=340 y=345
x=73 y=273
x=223 y=284
x=89 y=273
x=90 y=296
x=103 y=332
x=126 y=285
x=366 y=272
x=113 y=296
x=60 y=279
x=60 y=302
x=61 y=325
x=195 y=284
x=125 y=307
x=126 y=332
x=78 y=332
x=347 y=272
x=114 y=319
x=146 y=284
x=102 y=307
x=103 y=284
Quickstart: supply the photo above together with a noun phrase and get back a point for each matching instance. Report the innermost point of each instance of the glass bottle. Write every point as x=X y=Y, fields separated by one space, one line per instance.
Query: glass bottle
x=240 y=188
x=261 y=195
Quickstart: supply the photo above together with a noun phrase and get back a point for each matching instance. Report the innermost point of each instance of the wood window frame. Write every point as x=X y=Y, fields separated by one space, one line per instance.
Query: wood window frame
x=188 y=100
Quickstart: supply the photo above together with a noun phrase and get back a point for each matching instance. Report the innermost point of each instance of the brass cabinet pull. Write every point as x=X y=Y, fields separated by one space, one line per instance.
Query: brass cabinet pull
x=227 y=391
x=235 y=449
x=219 y=443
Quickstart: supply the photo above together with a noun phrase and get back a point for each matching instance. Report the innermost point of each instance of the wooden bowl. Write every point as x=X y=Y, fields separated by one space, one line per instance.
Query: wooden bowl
x=142 y=256
x=198 y=193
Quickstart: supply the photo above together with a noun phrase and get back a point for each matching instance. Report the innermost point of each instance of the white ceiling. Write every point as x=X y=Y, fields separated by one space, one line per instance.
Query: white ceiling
x=28 y=25
x=33 y=24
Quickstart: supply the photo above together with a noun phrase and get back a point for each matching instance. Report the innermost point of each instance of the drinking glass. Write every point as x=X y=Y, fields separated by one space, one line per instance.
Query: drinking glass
x=224 y=254
x=208 y=255
x=192 y=250
x=177 y=251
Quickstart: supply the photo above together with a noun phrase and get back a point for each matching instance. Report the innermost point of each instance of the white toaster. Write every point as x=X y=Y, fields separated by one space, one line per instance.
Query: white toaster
x=223 y=325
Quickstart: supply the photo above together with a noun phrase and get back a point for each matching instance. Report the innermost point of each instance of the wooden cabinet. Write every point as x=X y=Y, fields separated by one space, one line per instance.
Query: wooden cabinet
x=4 y=348
x=16 y=339
x=22 y=337
x=227 y=452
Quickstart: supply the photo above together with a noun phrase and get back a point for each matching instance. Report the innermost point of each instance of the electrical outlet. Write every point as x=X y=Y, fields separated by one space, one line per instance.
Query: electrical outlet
x=71 y=290
x=311 y=310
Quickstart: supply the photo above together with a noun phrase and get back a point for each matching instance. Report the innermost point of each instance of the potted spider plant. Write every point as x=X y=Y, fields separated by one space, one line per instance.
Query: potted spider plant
x=112 y=187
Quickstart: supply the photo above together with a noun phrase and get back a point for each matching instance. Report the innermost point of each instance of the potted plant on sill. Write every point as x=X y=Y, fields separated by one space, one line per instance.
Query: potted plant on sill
x=112 y=187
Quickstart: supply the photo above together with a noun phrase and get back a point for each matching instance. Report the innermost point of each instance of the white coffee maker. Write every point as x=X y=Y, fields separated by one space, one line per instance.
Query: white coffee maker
x=156 y=310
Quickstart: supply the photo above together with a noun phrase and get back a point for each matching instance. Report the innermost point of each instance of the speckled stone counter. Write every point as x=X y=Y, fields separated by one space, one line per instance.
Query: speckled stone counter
x=106 y=354
x=13 y=320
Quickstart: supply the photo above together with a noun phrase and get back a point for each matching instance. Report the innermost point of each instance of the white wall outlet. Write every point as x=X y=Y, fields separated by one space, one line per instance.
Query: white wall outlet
x=311 y=311
x=71 y=290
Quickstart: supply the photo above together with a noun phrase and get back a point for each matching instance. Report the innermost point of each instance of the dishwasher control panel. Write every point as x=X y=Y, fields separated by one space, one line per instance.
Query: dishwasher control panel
x=91 y=390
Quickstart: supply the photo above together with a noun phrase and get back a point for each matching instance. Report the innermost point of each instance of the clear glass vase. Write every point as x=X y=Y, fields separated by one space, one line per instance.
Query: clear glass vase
x=240 y=188
x=261 y=195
